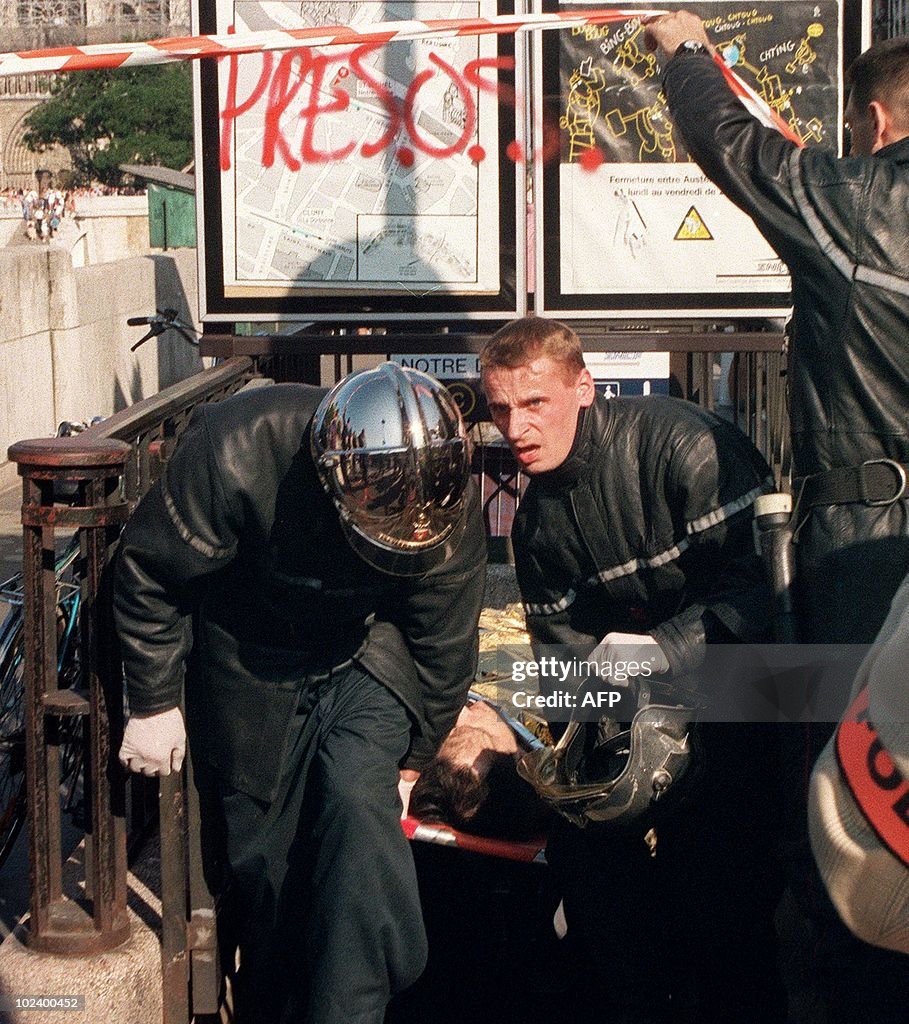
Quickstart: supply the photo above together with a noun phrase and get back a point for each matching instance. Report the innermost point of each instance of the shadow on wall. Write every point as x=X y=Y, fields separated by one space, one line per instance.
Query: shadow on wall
x=177 y=358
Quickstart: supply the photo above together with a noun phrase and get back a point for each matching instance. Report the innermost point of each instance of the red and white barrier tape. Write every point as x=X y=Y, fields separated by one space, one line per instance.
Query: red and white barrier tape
x=163 y=51
x=756 y=104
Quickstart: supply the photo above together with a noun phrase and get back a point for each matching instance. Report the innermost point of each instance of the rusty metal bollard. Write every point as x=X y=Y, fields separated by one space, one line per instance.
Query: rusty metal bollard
x=58 y=924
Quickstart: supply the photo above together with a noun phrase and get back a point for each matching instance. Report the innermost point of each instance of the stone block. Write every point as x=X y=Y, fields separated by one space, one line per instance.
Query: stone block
x=121 y=986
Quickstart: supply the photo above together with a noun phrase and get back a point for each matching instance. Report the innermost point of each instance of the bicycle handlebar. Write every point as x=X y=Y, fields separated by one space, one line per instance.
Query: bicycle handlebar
x=163 y=320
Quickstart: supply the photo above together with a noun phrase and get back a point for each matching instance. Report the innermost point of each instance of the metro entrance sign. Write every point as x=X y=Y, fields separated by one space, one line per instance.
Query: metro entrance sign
x=614 y=373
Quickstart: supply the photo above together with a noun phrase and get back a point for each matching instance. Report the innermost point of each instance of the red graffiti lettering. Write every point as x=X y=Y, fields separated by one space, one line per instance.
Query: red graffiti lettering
x=468 y=106
x=231 y=110
x=300 y=82
x=280 y=94
x=472 y=76
x=503 y=91
x=386 y=97
x=314 y=110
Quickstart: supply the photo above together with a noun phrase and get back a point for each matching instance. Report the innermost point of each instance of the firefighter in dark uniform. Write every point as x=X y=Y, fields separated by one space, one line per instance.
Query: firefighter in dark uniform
x=633 y=542
x=841 y=224
x=323 y=555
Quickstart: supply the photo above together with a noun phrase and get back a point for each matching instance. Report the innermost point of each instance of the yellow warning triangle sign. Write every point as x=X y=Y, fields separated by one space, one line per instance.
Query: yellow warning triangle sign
x=693 y=228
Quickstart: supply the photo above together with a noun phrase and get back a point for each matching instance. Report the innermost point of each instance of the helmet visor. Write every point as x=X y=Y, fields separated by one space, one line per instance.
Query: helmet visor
x=392 y=453
x=394 y=503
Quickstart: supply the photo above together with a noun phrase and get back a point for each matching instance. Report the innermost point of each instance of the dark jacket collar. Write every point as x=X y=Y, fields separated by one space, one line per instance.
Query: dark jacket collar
x=898 y=150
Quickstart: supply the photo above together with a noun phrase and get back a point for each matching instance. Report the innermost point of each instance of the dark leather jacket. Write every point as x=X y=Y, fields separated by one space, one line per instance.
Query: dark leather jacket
x=849 y=371
x=645 y=528
x=849 y=360
x=240 y=533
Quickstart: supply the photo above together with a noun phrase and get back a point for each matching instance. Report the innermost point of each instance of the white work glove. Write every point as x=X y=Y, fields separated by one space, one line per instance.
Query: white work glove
x=406 y=781
x=624 y=656
x=154 y=744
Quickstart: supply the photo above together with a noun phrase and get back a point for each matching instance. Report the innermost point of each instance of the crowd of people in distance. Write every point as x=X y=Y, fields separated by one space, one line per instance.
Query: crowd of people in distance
x=43 y=211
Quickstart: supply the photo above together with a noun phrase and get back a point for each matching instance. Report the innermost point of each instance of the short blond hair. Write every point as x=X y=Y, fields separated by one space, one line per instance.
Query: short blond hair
x=529 y=338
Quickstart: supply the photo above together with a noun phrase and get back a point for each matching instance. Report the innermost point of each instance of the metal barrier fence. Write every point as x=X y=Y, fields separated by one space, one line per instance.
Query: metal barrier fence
x=113 y=464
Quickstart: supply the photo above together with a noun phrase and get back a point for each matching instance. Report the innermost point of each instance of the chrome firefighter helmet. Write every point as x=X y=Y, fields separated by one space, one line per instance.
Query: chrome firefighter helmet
x=392 y=453
x=618 y=777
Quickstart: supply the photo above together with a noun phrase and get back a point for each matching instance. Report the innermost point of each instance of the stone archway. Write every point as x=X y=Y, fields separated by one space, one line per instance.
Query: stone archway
x=18 y=164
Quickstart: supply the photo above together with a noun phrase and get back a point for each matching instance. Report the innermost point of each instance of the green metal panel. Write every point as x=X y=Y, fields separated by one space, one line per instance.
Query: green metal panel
x=171 y=217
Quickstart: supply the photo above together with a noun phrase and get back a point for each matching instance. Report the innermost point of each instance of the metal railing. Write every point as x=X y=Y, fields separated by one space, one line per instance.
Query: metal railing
x=113 y=464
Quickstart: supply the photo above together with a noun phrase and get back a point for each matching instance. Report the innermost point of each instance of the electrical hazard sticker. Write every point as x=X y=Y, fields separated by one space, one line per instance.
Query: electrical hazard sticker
x=693 y=228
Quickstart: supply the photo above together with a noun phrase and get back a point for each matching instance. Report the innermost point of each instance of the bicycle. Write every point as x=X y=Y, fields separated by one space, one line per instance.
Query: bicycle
x=13 y=804
x=12 y=697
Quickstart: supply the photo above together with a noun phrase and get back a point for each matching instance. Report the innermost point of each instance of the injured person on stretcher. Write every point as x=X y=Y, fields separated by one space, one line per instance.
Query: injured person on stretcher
x=473 y=785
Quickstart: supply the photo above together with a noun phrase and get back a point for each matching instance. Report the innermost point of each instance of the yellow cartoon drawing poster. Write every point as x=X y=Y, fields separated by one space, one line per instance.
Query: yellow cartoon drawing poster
x=628 y=216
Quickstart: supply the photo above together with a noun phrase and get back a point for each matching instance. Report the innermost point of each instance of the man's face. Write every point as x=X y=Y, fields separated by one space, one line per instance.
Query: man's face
x=479 y=733
x=536 y=406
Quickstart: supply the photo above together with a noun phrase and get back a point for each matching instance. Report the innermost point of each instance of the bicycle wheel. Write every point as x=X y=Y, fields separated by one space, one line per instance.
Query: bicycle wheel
x=67 y=731
x=12 y=742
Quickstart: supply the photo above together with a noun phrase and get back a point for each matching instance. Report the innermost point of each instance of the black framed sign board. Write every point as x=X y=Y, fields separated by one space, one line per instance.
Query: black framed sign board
x=364 y=182
x=627 y=224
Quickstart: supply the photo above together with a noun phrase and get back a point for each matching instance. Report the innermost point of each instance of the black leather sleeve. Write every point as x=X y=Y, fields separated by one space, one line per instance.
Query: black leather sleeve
x=714 y=481
x=185 y=528
x=748 y=161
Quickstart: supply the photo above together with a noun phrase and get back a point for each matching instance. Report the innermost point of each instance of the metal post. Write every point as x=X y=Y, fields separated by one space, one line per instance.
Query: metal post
x=174 y=953
x=59 y=924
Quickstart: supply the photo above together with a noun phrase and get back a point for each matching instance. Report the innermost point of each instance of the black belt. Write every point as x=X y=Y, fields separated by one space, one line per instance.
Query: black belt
x=875 y=482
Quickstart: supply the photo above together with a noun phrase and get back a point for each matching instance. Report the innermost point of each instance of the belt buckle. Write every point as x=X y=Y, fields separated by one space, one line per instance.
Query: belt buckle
x=901 y=479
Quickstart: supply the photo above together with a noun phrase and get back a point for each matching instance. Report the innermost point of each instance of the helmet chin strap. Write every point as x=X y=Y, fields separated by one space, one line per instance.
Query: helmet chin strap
x=561 y=767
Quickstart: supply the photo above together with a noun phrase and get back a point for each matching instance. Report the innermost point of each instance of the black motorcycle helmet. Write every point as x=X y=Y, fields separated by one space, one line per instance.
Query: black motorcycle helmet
x=622 y=774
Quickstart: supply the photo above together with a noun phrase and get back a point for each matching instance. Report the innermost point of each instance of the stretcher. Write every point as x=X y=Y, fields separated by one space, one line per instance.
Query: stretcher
x=526 y=851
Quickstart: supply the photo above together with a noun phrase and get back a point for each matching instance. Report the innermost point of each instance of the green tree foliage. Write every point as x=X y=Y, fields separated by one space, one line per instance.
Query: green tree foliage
x=105 y=118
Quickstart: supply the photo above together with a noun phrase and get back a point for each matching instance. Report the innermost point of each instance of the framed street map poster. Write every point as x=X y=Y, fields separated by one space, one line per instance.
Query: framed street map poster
x=359 y=182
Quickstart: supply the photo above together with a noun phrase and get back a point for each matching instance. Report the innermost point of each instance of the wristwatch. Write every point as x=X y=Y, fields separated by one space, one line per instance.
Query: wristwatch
x=690 y=46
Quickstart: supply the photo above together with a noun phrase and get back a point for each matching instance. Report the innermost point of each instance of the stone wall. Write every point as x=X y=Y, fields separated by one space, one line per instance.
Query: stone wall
x=64 y=343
